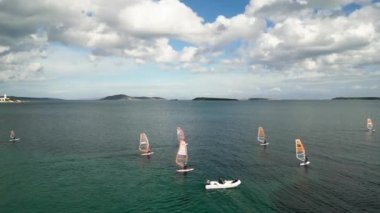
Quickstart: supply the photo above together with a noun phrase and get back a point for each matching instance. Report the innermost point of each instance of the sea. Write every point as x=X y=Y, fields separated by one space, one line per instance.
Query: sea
x=82 y=156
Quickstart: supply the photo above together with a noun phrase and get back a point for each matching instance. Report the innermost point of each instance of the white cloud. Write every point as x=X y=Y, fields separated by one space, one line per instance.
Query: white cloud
x=311 y=40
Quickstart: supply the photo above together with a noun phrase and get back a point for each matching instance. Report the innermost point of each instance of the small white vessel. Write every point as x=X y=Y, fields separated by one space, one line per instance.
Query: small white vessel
x=144 y=145
x=222 y=184
x=301 y=154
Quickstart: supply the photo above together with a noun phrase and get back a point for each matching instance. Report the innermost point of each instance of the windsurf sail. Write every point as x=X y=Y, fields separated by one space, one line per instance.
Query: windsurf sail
x=182 y=157
x=300 y=150
x=144 y=143
x=12 y=135
x=180 y=134
x=261 y=135
x=369 y=124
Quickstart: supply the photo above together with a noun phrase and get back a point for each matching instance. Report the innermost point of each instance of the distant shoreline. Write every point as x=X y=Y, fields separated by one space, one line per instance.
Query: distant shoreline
x=213 y=99
x=356 y=98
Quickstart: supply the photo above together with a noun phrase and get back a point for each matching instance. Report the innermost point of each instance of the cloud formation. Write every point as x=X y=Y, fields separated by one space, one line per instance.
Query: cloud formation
x=284 y=40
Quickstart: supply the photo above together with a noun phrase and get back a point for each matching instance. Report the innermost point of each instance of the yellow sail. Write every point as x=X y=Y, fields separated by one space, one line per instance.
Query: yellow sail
x=261 y=135
x=300 y=150
x=369 y=124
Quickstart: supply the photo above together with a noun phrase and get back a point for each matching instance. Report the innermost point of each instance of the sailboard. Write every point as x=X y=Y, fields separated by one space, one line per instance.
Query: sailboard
x=182 y=157
x=180 y=134
x=144 y=145
x=261 y=136
x=370 y=125
x=300 y=153
x=12 y=136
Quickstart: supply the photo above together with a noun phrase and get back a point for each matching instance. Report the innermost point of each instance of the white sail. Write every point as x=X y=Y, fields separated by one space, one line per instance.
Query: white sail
x=144 y=143
x=182 y=156
x=12 y=134
x=369 y=124
x=180 y=134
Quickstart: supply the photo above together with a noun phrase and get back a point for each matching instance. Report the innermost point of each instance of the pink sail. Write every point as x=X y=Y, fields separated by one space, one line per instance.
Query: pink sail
x=182 y=156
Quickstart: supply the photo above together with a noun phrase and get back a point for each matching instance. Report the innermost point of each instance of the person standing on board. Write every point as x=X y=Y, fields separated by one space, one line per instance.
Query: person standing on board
x=306 y=159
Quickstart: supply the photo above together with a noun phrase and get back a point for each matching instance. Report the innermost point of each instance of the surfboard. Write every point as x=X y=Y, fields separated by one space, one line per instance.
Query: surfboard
x=14 y=140
x=148 y=153
x=185 y=170
x=305 y=164
x=264 y=144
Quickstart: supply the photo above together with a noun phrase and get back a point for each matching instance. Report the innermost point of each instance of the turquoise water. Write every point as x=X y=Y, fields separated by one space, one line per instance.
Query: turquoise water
x=81 y=156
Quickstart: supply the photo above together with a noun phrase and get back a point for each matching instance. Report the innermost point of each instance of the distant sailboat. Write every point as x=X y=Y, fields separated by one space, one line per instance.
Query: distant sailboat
x=261 y=136
x=370 y=126
x=300 y=153
x=12 y=136
x=144 y=145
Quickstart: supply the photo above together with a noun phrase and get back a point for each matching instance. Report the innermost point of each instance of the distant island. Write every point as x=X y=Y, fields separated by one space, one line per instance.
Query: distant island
x=15 y=99
x=213 y=99
x=356 y=98
x=34 y=99
x=258 y=99
x=121 y=97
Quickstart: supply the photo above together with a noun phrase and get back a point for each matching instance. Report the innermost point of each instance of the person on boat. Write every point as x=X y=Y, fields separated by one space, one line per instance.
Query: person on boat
x=221 y=181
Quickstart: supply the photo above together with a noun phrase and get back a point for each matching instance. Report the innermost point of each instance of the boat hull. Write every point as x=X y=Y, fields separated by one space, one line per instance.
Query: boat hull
x=227 y=184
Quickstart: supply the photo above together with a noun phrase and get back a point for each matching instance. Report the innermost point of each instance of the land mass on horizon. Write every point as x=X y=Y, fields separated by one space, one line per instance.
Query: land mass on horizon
x=213 y=99
x=121 y=97
x=356 y=98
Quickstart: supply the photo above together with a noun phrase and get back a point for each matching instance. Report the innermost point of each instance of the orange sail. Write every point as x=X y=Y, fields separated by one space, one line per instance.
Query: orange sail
x=369 y=124
x=261 y=135
x=300 y=150
x=182 y=157
x=180 y=134
x=144 y=143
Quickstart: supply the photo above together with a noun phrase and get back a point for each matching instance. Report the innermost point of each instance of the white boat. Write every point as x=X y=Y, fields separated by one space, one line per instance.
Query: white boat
x=370 y=125
x=222 y=184
x=300 y=153
x=261 y=136
x=144 y=146
x=182 y=157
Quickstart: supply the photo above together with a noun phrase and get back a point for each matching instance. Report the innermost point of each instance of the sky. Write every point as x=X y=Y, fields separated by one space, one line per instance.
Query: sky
x=277 y=49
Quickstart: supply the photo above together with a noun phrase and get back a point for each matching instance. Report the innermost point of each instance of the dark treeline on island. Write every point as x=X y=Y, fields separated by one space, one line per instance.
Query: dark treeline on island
x=213 y=99
x=258 y=99
x=33 y=98
x=356 y=98
x=126 y=97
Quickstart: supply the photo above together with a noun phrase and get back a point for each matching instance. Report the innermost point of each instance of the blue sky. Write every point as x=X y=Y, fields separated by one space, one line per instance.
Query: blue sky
x=302 y=49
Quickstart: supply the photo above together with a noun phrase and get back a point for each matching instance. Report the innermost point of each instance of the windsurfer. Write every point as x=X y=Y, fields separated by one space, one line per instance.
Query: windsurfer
x=306 y=159
x=12 y=135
